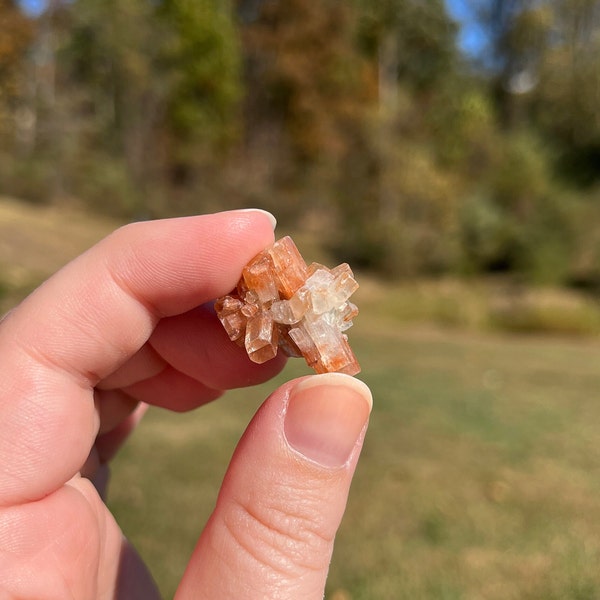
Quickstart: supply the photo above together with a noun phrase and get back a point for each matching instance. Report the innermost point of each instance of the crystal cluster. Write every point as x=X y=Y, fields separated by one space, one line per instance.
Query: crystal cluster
x=280 y=302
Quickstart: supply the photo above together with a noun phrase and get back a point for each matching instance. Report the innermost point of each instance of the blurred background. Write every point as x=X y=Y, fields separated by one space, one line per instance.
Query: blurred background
x=450 y=152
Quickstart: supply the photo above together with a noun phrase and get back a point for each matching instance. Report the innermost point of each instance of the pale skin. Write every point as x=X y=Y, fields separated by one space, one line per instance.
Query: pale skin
x=125 y=326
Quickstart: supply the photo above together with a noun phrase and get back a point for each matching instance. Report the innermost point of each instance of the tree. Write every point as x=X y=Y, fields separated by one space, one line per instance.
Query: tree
x=414 y=42
x=546 y=69
x=16 y=33
x=392 y=219
x=302 y=74
x=144 y=91
x=567 y=100
x=203 y=58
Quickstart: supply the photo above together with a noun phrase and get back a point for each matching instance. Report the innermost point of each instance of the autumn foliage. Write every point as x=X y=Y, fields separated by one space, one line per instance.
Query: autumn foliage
x=362 y=119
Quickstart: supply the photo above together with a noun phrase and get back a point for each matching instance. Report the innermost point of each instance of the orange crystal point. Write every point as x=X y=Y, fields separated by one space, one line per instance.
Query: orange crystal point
x=279 y=302
x=290 y=268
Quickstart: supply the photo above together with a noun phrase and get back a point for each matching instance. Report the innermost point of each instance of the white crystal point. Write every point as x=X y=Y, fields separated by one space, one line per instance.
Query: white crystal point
x=319 y=286
x=282 y=312
x=345 y=285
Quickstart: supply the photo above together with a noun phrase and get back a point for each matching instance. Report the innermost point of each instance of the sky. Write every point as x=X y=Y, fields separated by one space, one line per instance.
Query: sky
x=34 y=7
x=471 y=39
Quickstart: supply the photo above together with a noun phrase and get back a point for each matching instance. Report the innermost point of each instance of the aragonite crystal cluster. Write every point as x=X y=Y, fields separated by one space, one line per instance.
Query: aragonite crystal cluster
x=280 y=302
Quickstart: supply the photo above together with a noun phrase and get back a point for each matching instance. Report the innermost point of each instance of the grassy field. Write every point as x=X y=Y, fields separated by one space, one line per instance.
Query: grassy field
x=35 y=241
x=480 y=477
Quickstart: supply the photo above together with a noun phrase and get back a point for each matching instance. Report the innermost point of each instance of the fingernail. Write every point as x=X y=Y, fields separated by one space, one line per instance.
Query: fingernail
x=325 y=417
x=267 y=214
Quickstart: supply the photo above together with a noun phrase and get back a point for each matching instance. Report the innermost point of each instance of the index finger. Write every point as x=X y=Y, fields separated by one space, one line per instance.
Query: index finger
x=88 y=319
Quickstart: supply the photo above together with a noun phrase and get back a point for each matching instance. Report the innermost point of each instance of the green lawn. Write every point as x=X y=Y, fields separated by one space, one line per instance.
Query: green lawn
x=481 y=471
x=479 y=478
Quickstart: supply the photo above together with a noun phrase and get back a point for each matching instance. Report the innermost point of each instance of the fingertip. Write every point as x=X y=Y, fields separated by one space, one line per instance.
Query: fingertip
x=326 y=416
x=327 y=380
x=259 y=212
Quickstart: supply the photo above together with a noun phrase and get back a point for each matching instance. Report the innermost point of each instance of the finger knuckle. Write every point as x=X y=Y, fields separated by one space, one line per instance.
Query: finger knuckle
x=285 y=537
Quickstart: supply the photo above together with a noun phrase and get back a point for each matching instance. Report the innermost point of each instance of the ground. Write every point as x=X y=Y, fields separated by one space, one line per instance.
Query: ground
x=480 y=474
x=36 y=240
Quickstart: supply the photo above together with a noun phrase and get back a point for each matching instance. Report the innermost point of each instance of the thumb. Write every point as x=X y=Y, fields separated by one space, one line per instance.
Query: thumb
x=271 y=534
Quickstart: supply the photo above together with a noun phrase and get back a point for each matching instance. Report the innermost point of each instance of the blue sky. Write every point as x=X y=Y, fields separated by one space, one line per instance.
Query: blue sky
x=471 y=38
x=34 y=7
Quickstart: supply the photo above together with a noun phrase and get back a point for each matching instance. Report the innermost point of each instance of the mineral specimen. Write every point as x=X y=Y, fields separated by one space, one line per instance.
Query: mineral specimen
x=280 y=302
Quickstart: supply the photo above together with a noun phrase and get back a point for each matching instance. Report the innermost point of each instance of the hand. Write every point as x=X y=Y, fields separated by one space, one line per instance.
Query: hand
x=119 y=328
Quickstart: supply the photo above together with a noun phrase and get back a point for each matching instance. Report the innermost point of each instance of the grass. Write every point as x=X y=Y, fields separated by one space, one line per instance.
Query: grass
x=35 y=241
x=494 y=304
x=479 y=477
x=480 y=474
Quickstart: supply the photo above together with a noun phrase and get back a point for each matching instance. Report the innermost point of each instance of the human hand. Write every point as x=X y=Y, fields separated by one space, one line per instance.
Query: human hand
x=122 y=327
